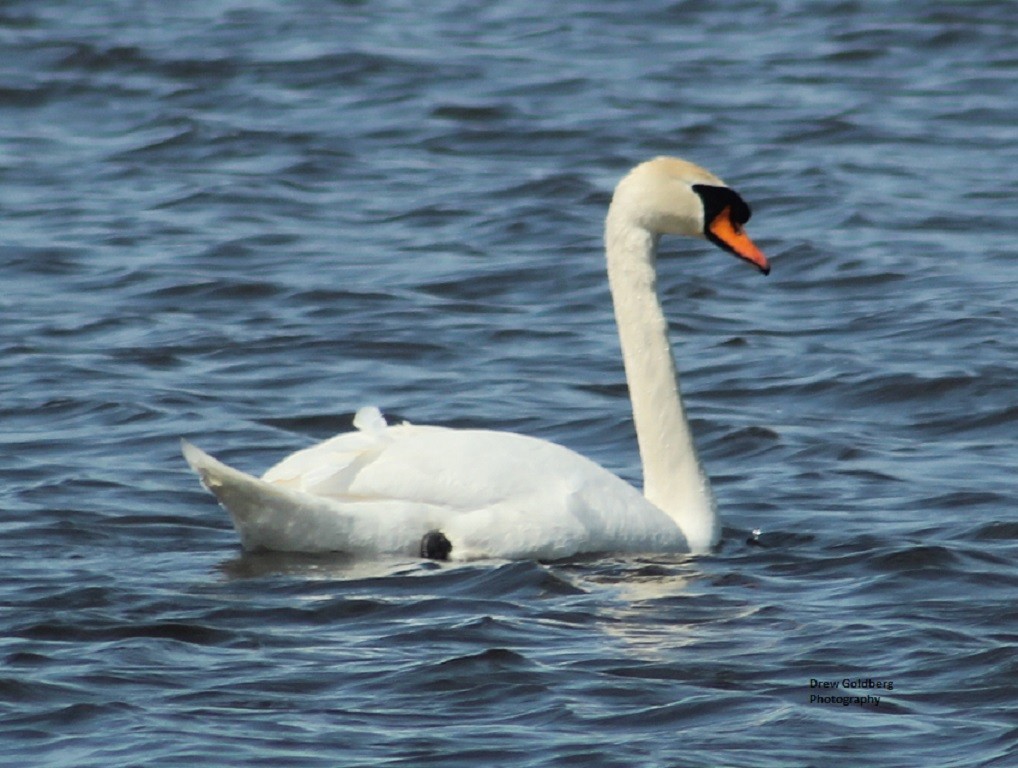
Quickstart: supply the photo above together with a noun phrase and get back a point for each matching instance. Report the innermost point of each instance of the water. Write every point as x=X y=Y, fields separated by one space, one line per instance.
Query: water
x=239 y=222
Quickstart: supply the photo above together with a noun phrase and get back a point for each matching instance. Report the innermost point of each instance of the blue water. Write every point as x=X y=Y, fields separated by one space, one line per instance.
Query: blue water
x=240 y=222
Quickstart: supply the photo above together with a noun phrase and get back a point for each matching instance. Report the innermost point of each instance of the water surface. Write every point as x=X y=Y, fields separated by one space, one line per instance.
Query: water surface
x=240 y=222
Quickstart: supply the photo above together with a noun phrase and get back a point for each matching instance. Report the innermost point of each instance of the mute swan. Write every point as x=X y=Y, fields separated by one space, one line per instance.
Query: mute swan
x=426 y=490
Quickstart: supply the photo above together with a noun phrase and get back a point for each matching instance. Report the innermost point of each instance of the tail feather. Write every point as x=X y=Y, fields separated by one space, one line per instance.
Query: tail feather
x=272 y=517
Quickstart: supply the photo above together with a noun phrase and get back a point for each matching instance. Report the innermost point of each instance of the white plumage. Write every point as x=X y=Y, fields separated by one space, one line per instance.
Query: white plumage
x=379 y=489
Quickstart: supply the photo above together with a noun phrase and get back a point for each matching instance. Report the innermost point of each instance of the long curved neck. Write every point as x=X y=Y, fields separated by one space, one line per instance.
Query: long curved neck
x=672 y=477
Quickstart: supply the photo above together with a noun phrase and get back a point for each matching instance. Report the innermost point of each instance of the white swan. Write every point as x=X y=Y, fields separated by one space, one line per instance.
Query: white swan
x=420 y=489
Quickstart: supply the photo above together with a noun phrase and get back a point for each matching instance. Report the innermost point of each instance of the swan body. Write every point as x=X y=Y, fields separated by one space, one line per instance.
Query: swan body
x=381 y=488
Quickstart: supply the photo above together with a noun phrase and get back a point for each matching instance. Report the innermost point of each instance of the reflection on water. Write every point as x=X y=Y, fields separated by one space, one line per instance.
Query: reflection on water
x=331 y=566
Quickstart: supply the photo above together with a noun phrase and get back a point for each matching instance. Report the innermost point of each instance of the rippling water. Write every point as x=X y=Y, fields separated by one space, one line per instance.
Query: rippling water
x=240 y=222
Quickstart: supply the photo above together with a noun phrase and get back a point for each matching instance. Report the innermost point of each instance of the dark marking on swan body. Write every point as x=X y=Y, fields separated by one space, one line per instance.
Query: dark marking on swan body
x=435 y=546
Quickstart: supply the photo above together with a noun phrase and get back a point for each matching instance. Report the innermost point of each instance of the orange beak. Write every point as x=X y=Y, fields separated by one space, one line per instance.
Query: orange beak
x=730 y=236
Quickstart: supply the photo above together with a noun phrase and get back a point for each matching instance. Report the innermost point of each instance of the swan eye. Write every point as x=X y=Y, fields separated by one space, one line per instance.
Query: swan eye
x=740 y=211
x=716 y=199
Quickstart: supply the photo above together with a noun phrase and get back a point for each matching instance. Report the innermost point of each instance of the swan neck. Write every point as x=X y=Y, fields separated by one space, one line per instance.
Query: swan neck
x=672 y=476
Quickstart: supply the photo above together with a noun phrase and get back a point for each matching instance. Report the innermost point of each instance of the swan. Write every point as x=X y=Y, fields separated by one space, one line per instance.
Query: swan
x=465 y=494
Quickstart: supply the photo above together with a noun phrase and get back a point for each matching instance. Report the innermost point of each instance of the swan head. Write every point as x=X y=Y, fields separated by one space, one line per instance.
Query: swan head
x=669 y=196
